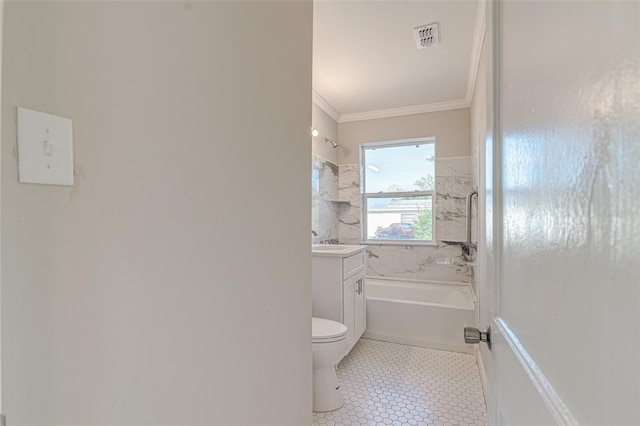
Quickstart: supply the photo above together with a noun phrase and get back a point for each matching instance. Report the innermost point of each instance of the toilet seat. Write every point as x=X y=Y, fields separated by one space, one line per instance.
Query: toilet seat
x=327 y=331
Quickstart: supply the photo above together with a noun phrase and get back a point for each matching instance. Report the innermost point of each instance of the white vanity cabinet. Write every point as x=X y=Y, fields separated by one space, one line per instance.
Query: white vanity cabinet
x=338 y=288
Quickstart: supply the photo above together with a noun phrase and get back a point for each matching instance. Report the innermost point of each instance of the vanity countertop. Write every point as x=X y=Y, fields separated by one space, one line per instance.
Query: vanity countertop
x=336 y=250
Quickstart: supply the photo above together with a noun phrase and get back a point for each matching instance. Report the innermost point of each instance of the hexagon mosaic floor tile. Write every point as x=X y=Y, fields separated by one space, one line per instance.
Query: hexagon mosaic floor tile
x=389 y=384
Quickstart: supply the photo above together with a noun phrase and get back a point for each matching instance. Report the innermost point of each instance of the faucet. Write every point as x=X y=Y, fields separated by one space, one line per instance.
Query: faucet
x=315 y=234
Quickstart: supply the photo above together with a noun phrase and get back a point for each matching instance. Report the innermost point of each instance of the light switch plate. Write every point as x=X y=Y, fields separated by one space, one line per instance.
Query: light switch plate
x=45 y=148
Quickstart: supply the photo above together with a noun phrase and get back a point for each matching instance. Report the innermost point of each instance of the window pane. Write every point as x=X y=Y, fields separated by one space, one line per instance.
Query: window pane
x=406 y=218
x=399 y=168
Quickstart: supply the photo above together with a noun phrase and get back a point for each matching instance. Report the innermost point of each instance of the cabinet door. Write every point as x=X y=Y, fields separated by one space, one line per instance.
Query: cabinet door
x=348 y=303
x=359 y=307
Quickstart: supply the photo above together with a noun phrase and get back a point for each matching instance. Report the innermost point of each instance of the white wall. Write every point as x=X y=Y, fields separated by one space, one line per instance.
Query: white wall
x=451 y=129
x=154 y=291
x=483 y=259
x=327 y=128
x=324 y=213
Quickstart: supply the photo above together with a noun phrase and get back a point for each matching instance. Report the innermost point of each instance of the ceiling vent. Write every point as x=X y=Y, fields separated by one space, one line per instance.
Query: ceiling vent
x=426 y=35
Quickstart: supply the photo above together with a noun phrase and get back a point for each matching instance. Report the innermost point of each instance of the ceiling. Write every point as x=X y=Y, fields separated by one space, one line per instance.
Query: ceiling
x=366 y=64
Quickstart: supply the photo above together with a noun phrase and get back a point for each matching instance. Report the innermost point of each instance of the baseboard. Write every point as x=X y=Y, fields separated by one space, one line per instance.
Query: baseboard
x=463 y=348
x=483 y=374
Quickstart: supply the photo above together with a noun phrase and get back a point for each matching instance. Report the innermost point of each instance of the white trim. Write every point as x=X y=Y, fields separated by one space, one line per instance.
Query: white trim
x=483 y=374
x=476 y=50
x=493 y=407
x=410 y=110
x=399 y=142
x=496 y=137
x=324 y=105
x=554 y=403
x=2 y=418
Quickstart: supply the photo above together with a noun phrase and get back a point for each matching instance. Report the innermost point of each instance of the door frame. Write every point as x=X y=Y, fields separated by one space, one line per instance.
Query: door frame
x=2 y=416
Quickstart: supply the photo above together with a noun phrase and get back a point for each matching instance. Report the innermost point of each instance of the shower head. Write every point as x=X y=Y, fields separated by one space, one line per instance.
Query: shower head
x=333 y=144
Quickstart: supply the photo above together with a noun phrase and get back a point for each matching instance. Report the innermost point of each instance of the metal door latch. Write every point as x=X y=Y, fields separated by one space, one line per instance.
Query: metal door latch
x=474 y=335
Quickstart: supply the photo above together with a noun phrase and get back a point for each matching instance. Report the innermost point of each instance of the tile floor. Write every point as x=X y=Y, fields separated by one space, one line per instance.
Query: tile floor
x=389 y=384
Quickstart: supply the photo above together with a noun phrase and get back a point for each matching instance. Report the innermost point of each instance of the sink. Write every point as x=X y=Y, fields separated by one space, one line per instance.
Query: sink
x=325 y=247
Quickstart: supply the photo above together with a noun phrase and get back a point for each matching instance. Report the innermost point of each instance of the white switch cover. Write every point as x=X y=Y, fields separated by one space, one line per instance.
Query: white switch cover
x=45 y=148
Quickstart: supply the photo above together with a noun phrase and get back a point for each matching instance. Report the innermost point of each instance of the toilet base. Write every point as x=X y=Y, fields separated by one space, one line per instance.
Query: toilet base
x=326 y=391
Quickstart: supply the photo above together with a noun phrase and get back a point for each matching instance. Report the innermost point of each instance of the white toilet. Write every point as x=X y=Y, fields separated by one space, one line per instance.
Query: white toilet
x=329 y=345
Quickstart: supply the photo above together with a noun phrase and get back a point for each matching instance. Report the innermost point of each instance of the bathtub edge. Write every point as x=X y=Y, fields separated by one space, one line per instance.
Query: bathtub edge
x=461 y=348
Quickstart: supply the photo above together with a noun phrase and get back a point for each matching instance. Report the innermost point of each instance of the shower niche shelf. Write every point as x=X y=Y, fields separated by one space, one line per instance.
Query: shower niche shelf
x=331 y=200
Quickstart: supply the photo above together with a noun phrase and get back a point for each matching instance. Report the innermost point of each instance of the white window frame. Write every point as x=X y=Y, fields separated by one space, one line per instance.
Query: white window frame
x=364 y=196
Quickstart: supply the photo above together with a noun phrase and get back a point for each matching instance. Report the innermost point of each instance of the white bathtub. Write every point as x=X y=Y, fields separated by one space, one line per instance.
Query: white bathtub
x=426 y=314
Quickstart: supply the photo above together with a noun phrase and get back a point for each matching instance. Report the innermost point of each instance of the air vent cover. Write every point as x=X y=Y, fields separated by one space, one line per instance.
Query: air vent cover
x=426 y=35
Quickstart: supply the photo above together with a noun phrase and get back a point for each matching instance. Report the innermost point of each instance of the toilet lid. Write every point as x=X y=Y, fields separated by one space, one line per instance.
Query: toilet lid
x=324 y=330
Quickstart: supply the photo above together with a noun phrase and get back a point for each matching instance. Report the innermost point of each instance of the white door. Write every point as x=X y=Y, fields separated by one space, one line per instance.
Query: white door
x=561 y=200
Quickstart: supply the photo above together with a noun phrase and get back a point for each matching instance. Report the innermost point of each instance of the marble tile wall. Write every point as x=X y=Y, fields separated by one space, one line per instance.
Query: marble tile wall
x=324 y=192
x=475 y=230
x=349 y=214
x=444 y=262
x=454 y=180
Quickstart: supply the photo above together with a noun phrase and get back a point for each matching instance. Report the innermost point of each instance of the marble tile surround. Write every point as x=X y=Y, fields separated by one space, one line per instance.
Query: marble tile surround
x=443 y=262
x=475 y=228
x=454 y=180
x=349 y=214
x=324 y=188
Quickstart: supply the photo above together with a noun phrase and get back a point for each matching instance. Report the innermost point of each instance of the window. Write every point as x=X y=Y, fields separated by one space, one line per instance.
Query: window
x=398 y=190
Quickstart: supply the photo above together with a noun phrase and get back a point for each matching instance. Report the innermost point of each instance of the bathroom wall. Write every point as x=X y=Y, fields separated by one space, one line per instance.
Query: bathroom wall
x=324 y=178
x=149 y=292
x=327 y=128
x=483 y=261
x=454 y=181
x=445 y=261
x=451 y=129
x=324 y=204
x=478 y=134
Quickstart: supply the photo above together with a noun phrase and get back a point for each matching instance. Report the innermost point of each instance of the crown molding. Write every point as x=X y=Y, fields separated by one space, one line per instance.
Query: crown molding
x=474 y=65
x=411 y=110
x=476 y=50
x=324 y=105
